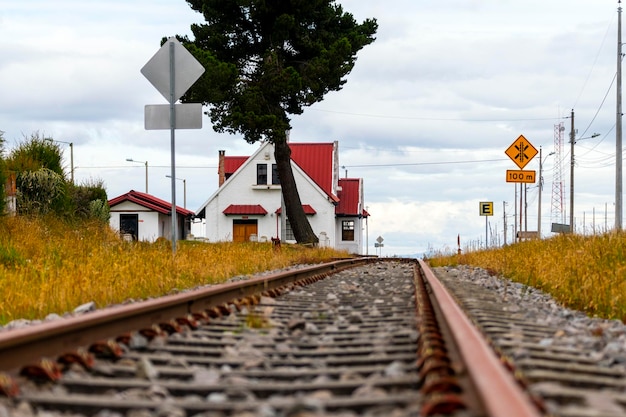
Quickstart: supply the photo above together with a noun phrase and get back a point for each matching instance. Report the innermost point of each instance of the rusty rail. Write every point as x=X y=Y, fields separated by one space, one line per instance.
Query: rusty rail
x=500 y=394
x=20 y=347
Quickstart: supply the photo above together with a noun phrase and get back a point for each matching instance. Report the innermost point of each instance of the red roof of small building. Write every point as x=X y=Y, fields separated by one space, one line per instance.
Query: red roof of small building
x=349 y=198
x=149 y=201
x=245 y=209
x=307 y=209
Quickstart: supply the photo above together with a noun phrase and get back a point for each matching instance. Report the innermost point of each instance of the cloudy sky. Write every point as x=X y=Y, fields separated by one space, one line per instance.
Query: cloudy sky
x=425 y=117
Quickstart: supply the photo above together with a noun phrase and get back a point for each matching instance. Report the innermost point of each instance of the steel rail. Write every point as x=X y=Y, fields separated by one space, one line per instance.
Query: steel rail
x=20 y=347
x=500 y=394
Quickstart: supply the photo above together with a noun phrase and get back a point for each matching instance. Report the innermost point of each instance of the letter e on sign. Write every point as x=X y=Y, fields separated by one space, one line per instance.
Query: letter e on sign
x=486 y=208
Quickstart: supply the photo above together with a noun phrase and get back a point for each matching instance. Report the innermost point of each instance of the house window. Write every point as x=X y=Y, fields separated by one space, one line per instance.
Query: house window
x=275 y=179
x=347 y=230
x=261 y=174
x=289 y=231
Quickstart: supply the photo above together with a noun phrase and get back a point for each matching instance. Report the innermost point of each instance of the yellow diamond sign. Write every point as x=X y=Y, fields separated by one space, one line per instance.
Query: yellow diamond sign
x=521 y=151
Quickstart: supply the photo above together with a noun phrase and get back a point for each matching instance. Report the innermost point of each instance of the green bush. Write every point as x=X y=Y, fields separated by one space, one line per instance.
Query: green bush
x=40 y=192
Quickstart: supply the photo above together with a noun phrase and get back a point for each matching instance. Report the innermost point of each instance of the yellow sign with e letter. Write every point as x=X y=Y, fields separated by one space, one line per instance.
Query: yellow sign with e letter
x=486 y=208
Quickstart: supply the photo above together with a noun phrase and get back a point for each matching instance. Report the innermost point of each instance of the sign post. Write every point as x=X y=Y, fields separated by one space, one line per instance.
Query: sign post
x=172 y=70
x=379 y=244
x=486 y=209
x=521 y=151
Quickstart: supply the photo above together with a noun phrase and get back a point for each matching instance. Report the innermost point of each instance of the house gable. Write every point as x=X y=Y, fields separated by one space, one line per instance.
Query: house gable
x=150 y=202
x=240 y=163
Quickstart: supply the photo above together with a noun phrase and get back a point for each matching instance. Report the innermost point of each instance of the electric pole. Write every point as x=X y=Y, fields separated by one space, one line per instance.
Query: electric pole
x=572 y=136
x=618 y=126
x=540 y=189
x=504 y=219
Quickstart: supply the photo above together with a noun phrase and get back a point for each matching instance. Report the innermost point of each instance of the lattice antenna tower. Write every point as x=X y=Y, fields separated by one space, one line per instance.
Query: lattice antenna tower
x=557 y=211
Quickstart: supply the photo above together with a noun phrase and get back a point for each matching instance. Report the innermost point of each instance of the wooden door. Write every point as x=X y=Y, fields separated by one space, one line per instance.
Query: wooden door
x=243 y=229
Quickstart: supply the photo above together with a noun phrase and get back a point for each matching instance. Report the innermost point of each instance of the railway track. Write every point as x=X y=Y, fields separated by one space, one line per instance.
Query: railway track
x=349 y=338
x=559 y=365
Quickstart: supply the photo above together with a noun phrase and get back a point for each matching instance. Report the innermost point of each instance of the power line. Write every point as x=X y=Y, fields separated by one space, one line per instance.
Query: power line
x=600 y=106
x=151 y=166
x=426 y=163
x=594 y=62
x=439 y=119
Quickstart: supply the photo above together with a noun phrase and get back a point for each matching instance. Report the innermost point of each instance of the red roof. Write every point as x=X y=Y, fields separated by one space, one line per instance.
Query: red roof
x=349 y=198
x=232 y=163
x=307 y=209
x=245 y=209
x=149 y=201
x=315 y=159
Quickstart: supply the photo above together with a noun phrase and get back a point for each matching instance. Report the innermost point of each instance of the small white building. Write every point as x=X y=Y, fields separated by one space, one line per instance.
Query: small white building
x=145 y=217
x=247 y=204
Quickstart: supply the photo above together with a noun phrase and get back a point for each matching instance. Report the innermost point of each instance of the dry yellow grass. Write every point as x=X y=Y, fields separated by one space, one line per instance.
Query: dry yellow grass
x=585 y=273
x=48 y=267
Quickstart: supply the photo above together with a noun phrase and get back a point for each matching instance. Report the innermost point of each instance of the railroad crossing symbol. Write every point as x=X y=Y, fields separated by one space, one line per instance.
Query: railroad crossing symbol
x=521 y=151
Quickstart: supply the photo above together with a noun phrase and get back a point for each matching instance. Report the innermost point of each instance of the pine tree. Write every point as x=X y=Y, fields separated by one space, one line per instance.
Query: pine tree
x=266 y=60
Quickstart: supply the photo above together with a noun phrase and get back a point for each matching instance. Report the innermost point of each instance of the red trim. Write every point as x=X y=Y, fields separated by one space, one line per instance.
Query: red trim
x=307 y=210
x=245 y=209
x=149 y=201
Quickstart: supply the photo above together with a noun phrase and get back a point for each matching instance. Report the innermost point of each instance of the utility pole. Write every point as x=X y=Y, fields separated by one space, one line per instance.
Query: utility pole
x=572 y=135
x=526 y=207
x=618 y=126
x=540 y=189
x=72 y=160
x=521 y=212
x=504 y=219
x=515 y=216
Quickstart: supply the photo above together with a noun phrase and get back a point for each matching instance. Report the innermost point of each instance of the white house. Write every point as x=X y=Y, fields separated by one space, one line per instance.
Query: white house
x=247 y=204
x=145 y=217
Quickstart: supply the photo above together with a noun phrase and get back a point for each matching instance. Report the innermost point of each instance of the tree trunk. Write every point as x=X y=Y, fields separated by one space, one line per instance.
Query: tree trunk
x=302 y=230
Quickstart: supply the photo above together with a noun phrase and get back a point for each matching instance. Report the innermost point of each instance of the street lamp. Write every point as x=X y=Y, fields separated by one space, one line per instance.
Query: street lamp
x=146 y=164
x=71 y=155
x=184 y=189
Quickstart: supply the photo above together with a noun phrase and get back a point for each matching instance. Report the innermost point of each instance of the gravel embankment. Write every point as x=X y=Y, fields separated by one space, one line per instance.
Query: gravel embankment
x=605 y=338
